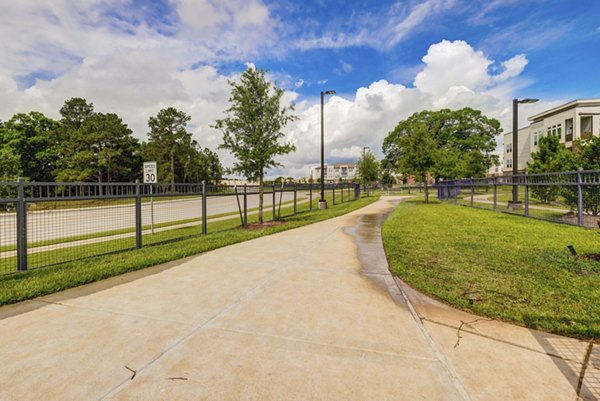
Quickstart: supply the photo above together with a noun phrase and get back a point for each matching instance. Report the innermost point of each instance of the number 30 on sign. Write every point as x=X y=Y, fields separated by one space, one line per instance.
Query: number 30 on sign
x=150 y=173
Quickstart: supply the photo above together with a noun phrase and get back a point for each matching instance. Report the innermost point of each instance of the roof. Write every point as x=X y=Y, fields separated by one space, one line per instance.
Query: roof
x=566 y=106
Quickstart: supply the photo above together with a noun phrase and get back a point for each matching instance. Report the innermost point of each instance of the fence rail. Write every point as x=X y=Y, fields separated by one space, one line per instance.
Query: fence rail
x=43 y=224
x=566 y=197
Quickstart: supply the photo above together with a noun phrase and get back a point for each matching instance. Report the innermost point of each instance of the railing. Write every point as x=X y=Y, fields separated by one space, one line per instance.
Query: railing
x=566 y=197
x=43 y=224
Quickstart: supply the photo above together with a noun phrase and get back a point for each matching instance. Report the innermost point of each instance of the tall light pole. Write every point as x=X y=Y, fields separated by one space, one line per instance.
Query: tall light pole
x=363 y=169
x=322 y=201
x=515 y=145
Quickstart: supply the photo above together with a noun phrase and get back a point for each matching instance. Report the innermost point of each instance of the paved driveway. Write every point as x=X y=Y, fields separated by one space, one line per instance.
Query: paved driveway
x=307 y=314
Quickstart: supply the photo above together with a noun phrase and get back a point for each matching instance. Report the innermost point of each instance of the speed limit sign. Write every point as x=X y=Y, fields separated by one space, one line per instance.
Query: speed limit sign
x=150 y=173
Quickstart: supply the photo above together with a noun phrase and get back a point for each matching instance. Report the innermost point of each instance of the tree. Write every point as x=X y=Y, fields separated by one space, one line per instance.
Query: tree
x=32 y=139
x=368 y=169
x=444 y=144
x=552 y=156
x=252 y=127
x=75 y=111
x=102 y=149
x=168 y=139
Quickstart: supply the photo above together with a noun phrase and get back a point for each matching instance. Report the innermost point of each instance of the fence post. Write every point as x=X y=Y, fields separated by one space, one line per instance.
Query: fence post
x=579 y=199
x=138 y=215
x=245 y=206
x=456 y=191
x=204 y=217
x=472 y=191
x=21 y=226
x=310 y=196
x=274 y=213
x=334 y=193
x=495 y=194
x=295 y=198
x=526 y=194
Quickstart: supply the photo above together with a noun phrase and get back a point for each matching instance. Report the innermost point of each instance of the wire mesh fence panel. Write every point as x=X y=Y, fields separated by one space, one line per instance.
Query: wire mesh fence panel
x=483 y=195
x=168 y=218
x=8 y=238
x=591 y=205
x=303 y=198
x=69 y=232
x=547 y=202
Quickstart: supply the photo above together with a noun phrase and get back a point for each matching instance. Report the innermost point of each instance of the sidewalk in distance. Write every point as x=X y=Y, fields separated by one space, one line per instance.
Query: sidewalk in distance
x=291 y=316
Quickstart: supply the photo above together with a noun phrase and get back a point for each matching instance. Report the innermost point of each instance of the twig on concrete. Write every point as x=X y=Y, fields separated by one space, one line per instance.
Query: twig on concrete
x=177 y=378
x=462 y=323
x=131 y=370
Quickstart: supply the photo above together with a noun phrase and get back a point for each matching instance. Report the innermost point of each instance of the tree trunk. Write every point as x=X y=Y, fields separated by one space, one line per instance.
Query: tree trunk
x=172 y=170
x=260 y=199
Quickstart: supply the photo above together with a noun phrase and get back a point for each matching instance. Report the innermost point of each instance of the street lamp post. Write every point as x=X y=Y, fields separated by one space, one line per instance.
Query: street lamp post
x=363 y=168
x=322 y=201
x=515 y=146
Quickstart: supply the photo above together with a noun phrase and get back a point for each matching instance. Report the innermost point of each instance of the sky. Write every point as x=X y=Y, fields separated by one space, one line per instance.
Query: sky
x=385 y=59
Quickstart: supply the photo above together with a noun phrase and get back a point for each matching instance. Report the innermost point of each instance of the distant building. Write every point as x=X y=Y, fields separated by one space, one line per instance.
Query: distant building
x=579 y=119
x=335 y=172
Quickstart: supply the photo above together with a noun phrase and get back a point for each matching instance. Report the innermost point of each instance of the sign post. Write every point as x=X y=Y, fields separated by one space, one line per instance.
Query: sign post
x=150 y=177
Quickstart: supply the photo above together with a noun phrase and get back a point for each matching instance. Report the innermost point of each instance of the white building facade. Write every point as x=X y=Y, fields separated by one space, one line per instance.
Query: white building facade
x=579 y=119
x=335 y=172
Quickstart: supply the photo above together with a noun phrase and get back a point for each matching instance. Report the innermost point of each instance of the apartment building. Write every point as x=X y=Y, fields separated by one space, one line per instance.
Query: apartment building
x=335 y=172
x=579 y=119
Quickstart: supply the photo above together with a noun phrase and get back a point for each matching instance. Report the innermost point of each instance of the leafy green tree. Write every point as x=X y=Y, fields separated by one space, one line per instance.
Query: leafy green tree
x=552 y=156
x=368 y=169
x=10 y=164
x=75 y=111
x=169 y=139
x=252 y=127
x=444 y=144
x=102 y=149
x=586 y=155
x=416 y=150
x=32 y=139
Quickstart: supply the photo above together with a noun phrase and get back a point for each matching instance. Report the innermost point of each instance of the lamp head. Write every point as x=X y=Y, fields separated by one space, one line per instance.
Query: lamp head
x=329 y=92
x=528 y=100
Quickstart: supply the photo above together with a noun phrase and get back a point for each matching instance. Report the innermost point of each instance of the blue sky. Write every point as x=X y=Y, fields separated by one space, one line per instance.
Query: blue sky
x=386 y=60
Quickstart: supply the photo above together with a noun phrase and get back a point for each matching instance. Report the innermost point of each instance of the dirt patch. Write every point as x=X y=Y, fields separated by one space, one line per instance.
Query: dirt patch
x=588 y=220
x=266 y=224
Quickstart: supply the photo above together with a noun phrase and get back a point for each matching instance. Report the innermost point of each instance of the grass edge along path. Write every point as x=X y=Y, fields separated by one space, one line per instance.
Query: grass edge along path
x=497 y=265
x=23 y=286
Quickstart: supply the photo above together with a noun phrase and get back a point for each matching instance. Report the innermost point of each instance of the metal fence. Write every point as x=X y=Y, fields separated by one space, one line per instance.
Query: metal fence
x=566 y=197
x=43 y=224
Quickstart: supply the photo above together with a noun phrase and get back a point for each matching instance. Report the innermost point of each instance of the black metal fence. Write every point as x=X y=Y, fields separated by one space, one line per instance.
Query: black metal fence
x=43 y=224
x=566 y=197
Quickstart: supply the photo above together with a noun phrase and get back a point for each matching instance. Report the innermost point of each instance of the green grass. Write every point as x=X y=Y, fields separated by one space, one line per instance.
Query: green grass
x=515 y=269
x=34 y=283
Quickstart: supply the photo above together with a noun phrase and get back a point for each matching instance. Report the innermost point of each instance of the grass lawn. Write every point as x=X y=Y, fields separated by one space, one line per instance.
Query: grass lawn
x=34 y=283
x=512 y=268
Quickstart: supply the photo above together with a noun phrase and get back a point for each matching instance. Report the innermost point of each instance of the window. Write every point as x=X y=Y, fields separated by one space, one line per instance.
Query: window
x=508 y=147
x=559 y=131
x=508 y=163
x=536 y=139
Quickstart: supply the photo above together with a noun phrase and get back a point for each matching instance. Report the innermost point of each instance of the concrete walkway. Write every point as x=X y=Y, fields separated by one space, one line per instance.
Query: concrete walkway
x=307 y=314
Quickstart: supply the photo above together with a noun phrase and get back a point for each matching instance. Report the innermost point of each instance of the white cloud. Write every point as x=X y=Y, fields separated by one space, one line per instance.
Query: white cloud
x=383 y=31
x=346 y=67
x=512 y=67
x=449 y=64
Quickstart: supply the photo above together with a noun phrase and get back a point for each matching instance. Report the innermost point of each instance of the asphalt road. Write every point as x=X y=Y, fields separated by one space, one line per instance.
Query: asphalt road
x=54 y=224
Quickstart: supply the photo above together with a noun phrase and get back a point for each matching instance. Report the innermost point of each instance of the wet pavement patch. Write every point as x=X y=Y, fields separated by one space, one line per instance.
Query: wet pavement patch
x=369 y=243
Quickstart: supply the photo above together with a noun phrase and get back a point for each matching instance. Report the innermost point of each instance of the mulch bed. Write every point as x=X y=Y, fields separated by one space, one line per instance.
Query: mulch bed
x=266 y=224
